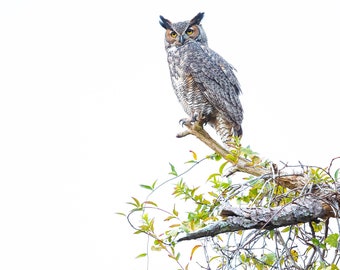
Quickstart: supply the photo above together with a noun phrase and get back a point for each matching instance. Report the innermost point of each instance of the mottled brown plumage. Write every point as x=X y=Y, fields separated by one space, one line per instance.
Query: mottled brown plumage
x=204 y=83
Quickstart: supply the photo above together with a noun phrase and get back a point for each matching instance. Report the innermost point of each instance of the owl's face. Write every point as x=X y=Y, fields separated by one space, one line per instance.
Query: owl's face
x=177 y=34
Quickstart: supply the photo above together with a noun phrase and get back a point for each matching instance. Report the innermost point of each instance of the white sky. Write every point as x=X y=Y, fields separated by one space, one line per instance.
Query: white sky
x=87 y=112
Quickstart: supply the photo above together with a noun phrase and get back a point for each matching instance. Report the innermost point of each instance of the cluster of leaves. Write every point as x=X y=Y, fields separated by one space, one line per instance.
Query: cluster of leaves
x=203 y=204
x=303 y=246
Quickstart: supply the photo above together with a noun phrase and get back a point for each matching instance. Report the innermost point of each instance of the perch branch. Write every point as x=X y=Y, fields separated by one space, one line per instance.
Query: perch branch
x=243 y=164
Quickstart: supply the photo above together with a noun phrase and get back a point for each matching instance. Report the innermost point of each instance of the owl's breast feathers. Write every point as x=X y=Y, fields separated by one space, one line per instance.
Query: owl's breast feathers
x=189 y=93
x=212 y=75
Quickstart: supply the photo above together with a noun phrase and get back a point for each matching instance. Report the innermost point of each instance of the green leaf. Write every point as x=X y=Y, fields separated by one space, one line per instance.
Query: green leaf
x=220 y=170
x=214 y=175
x=317 y=227
x=158 y=248
x=336 y=175
x=214 y=258
x=332 y=240
x=169 y=218
x=173 y=257
x=287 y=229
x=330 y=267
x=213 y=194
x=318 y=243
x=174 y=211
x=136 y=202
x=150 y=202
x=146 y=187
x=215 y=157
x=269 y=258
x=173 y=170
x=243 y=257
x=315 y=241
x=141 y=255
x=230 y=157
x=175 y=225
x=247 y=151
x=256 y=160
x=190 y=162
x=309 y=248
x=154 y=184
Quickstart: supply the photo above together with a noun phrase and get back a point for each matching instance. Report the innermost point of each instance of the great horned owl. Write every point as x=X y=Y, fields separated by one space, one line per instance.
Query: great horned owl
x=204 y=82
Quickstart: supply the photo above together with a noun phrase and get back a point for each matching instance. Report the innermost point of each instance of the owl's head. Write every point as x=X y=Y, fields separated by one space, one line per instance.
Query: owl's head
x=179 y=33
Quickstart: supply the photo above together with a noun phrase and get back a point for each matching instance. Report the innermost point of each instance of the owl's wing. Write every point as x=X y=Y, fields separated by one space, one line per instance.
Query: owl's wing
x=217 y=80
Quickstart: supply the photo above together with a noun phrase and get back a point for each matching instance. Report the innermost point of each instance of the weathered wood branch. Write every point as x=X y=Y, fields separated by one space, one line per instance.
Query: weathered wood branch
x=317 y=205
x=243 y=165
x=303 y=210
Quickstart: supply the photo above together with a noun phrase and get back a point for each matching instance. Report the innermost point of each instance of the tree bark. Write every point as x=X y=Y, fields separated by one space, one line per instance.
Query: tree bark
x=303 y=210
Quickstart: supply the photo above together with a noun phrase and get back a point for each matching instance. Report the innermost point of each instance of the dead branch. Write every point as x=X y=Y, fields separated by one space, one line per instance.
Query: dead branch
x=302 y=210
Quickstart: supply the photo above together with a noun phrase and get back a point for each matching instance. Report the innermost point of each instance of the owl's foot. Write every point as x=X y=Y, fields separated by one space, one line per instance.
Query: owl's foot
x=192 y=124
x=185 y=122
x=192 y=127
x=197 y=119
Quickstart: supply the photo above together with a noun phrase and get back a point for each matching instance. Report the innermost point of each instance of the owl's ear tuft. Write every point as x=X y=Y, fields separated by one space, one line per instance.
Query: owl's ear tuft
x=197 y=19
x=165 y=23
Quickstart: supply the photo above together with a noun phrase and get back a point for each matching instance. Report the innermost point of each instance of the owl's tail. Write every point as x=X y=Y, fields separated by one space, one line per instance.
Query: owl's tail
x=238 y=131
x=226 y=130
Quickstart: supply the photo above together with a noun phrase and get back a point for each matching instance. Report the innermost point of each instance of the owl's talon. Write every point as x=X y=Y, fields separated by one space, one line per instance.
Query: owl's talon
x=195 y=118
x=184 y=122
x=188 y=121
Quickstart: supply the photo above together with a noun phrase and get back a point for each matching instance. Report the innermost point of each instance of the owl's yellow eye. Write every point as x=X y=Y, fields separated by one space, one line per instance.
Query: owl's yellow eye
x=190 y=31
x=173 y=34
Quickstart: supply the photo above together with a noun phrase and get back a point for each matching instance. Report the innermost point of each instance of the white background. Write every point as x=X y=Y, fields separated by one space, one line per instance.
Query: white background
x=87 y=113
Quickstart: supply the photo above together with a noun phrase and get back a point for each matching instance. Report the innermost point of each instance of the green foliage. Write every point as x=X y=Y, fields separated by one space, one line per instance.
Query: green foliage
x=192 y=205
x=320 y=176
x=336 y=175
x=149 y=187
x=332 y=240
x=173 y=170
x=323 y=266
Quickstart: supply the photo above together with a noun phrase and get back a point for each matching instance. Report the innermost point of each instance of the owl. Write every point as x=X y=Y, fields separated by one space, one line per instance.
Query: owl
x=204 y=83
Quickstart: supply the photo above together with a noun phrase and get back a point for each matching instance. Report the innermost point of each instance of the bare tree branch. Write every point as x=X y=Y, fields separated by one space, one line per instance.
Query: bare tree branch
x=303 y=210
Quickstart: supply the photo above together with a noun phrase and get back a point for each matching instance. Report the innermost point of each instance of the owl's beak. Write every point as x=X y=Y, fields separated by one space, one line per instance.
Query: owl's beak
x=181 y=39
